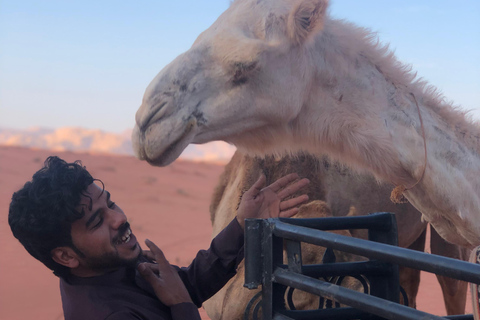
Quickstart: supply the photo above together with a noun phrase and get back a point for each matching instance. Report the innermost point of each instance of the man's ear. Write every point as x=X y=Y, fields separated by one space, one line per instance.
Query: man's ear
x=306 y=19
x=65 y=256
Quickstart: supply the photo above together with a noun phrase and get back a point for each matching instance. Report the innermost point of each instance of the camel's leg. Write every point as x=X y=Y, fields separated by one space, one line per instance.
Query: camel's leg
x=454 y=291
x=410 y=278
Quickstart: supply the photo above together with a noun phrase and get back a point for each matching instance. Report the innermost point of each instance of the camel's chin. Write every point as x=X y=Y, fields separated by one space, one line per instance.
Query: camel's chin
x=160 y=146
x=164 y=159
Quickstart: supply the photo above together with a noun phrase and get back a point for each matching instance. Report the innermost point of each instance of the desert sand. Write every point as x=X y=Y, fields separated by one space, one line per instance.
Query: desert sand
x=167 y=205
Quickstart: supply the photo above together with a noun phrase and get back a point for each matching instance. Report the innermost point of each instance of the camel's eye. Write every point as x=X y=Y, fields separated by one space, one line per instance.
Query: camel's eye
x=241 y=71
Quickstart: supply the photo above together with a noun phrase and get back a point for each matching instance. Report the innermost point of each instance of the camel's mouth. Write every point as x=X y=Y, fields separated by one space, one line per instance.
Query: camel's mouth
x=172 y=152
x=161 y=144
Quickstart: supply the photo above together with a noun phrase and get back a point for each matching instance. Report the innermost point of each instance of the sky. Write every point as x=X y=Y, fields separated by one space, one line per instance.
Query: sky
x=87 y=63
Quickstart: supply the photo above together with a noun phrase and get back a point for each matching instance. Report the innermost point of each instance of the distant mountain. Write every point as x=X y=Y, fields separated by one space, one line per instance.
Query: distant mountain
x=98 y=141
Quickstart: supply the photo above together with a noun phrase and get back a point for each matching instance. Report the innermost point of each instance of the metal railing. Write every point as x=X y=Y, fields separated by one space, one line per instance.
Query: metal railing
x=265 y=241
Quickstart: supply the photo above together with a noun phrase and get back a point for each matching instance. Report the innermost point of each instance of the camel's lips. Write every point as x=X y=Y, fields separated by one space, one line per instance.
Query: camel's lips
x=157 y=147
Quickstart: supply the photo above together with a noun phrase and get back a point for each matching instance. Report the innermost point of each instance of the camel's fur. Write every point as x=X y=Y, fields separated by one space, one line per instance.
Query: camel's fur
x=278 y=76
x=344 y=193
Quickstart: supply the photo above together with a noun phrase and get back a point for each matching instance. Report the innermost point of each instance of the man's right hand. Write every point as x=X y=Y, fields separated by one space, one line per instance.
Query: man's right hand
x=163 y=278
x=269 y=202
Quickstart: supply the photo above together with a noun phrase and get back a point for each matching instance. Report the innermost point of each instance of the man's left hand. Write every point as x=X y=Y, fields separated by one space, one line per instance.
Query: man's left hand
x=163 y=278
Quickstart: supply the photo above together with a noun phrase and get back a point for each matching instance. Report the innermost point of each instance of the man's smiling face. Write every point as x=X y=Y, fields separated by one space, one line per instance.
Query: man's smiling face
x=103 y=236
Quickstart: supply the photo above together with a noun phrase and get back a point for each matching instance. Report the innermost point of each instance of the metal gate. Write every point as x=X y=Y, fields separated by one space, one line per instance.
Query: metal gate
x=266 y=239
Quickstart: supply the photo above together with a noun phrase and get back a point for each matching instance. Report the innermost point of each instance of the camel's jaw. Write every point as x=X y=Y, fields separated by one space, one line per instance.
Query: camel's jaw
x=162 y=143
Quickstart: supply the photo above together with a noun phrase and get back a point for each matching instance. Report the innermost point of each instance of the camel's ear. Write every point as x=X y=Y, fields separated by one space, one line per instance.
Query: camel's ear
x=65 y=256
x=306 y=18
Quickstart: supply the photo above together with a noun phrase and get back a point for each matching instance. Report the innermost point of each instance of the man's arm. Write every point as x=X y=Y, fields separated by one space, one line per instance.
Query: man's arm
x=181 y=311
x=212 y=268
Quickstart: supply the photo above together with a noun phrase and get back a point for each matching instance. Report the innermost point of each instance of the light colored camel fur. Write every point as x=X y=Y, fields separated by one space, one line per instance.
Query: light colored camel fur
x=337 y=191
x=279 y=76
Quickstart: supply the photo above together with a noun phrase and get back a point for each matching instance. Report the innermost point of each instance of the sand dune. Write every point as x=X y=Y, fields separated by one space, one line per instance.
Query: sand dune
x=98 y=141
x=167 y=205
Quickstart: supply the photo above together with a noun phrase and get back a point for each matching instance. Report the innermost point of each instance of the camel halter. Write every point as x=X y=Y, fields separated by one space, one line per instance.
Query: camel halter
x=397 y=194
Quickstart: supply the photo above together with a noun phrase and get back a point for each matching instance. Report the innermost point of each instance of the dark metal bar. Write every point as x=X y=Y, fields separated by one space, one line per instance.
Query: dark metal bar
x=272 y=293
x=347 y=269
x=253 y=253
x=278 y=294
x=367 y=303
x=386 y=287
x=460 y=317
x=378 y=221
x=280 y=316
x=448 y=267
x=387 y=235
x=267 y=284
x=327 y=314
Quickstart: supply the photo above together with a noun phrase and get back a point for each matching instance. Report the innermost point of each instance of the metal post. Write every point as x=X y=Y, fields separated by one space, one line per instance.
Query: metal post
x=272 y=293
x=253 y=253
x=386 y=286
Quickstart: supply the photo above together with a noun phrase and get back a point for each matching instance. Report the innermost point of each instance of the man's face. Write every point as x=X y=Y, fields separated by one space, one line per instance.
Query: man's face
x=103 y=235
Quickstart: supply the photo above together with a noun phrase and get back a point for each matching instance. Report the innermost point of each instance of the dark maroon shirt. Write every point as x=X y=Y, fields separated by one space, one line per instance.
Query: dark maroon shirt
x=123 y=294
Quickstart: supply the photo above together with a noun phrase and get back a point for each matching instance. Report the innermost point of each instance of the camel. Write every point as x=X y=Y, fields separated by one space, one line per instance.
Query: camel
x=336 y=191
x=281 y=76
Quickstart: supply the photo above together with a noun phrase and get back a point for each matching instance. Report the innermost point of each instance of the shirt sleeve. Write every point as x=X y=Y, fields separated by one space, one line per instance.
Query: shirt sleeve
x=123 y=315
x=185 y=311
x=211 y=269
x=181 y=311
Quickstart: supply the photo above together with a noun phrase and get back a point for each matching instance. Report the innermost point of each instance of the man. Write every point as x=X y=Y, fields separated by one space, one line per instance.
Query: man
x=66 y=219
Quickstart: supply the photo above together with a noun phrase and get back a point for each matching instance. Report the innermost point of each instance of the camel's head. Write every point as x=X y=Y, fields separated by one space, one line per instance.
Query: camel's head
x=242 y=77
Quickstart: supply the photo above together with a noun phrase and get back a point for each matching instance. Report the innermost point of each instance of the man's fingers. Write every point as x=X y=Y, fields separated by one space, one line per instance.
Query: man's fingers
x=149 y=254
x=157 y=253
x=289 y=213
x=151 y=266
x=282 y=182
x=257 y=186
x=290 y=203
x=149 y=271
x=294 y=187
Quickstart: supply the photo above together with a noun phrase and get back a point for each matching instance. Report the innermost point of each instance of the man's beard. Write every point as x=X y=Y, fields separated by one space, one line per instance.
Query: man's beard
x=111 y=261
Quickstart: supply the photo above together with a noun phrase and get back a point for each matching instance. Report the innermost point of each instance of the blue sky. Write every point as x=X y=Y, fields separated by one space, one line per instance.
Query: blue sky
x=87 y=63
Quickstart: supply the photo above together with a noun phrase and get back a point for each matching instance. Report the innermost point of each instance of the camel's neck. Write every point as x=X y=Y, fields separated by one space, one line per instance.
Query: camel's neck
x=352 y=63
x=362 y=110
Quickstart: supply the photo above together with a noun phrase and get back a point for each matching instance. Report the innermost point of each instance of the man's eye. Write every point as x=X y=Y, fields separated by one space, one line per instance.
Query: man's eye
x=112 y=205
x=98 y=224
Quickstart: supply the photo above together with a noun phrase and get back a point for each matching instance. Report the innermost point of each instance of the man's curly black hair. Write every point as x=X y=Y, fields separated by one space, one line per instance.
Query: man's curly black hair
x=42 y=212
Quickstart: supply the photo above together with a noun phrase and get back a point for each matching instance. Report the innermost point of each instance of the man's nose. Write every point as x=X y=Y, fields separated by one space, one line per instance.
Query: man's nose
x=117 y=219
